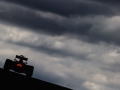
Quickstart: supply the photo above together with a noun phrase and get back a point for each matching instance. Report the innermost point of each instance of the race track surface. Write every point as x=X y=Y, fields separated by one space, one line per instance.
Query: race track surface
x=14 y=81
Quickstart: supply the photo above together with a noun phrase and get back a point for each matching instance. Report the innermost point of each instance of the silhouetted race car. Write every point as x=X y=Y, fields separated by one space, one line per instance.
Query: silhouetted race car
x=19 y=66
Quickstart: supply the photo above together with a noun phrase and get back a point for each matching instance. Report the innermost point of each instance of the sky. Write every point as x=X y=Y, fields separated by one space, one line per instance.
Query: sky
x=71 y=43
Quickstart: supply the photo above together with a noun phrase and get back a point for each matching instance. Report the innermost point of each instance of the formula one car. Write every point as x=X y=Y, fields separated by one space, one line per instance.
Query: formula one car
x=19 y=66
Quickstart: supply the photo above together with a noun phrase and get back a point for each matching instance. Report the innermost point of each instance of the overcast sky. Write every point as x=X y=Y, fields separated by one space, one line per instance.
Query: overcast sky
x=72 y=43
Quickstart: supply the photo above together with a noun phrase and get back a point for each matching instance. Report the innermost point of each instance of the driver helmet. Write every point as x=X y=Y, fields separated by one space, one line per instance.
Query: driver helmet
x=21 y=57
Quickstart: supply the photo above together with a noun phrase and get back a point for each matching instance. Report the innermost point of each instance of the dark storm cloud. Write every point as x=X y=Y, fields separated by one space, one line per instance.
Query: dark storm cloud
x=66 y=7
x=109 y=2
x=114 y=4
x=28 y=19
x=67 y=25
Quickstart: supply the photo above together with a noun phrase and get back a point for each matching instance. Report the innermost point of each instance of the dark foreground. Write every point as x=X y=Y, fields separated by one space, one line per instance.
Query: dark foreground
x=14 y=81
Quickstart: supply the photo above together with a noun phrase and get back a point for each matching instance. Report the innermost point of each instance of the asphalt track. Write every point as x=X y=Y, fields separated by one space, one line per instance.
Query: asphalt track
x=14 y=81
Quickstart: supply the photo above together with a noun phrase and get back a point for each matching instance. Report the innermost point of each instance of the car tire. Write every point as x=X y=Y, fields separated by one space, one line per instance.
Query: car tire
x=29 y=71
x=7 y=65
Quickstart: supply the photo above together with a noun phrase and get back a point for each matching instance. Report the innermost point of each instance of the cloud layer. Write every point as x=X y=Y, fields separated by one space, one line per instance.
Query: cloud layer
x=71 y=43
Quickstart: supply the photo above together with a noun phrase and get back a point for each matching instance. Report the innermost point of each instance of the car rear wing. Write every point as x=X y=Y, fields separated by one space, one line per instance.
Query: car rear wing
x=17 y=56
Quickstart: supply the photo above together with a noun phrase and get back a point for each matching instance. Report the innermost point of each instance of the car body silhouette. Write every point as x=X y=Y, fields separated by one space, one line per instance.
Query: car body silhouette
x=19 y=66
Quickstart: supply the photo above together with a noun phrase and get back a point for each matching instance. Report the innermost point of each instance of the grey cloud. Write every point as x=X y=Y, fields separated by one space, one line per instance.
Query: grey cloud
x=53 y=51
x=113 y=86
x=42 y=74
x=75 y=80
x=75 y=83
x=1 y=64
x=114 y=67
x=45 y=69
